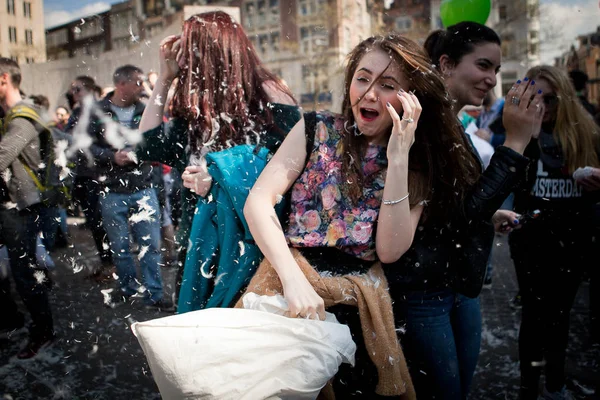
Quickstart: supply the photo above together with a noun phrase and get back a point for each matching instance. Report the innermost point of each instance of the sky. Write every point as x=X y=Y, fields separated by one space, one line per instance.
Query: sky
x=569 y=18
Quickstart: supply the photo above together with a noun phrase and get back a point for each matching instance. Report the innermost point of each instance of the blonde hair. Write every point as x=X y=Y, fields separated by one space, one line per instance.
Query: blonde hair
x=575 y=131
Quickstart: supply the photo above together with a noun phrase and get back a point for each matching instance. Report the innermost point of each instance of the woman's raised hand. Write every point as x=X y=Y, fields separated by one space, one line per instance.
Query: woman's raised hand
x=522 y=115
x=303 y=301
x=170 y=53
x=403 y=131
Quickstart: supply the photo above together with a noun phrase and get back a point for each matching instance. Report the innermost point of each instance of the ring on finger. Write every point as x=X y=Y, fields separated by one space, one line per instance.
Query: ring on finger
x=515 y=100
x=409 y=120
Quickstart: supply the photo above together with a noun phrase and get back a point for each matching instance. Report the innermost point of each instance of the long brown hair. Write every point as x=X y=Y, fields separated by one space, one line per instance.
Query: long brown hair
x=574 y=129
x=442 y=167
x=220 y=91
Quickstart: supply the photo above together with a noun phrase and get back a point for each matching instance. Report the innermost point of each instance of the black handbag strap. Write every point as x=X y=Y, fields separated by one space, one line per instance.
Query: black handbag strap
x=310 y=127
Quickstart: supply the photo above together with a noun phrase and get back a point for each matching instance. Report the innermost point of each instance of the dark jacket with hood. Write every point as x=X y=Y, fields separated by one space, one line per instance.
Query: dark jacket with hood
x=125 y=179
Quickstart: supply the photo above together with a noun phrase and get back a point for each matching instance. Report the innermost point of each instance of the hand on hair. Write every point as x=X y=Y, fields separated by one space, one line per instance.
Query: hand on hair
x=591 y=181
x=523 y=112
x=403 y=131
x=197 y=179
x=169 y=53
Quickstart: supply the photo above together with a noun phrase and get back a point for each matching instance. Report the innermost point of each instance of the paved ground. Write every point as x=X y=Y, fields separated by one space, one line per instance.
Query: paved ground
x=97 y=356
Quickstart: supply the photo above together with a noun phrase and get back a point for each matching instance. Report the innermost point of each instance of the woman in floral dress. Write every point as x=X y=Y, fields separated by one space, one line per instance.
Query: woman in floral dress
x=358 y=192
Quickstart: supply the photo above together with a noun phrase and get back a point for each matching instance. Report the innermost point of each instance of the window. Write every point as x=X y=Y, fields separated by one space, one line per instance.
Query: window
x=275 y=41
x=10 y=7
x=533 y=49
x=303 y=32
x=305 y=71
x=29 y=60
x=508 y=46
x=29 y=36
x=12 y=34
x=313 y=39
x=533 y=35
x=27 y=9
x=403 y=24
x=502 y=13
x=263 y=43
x=15 y=59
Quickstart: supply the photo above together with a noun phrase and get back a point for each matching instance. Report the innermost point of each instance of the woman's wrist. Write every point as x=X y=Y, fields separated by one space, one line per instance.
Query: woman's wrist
x=517 y=145
x=164 y=80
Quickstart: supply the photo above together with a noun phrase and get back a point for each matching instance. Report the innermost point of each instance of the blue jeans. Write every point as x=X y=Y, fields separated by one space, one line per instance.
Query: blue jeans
x=51 y=220
x=117 y=208
x=441 y=343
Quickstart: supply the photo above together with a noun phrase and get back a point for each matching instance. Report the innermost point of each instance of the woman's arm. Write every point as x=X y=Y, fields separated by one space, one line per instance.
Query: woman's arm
x=276 y=179
x=397 y=223
x=154 y=112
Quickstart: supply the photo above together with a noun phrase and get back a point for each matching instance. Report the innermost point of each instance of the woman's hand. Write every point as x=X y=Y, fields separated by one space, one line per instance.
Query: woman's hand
x=303 y=301
x=505 y=221
x=403 y=131
x=197 y=179
x=522 y=116
x=591 y=180
x=169 y=54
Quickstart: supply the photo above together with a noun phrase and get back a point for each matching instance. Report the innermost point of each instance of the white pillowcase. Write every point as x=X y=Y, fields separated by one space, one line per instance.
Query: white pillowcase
x=252 y=353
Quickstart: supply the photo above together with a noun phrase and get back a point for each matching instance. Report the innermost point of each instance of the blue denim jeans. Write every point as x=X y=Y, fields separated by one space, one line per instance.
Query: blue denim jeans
x=51 y=220
x=117 y=208
x=441 y=342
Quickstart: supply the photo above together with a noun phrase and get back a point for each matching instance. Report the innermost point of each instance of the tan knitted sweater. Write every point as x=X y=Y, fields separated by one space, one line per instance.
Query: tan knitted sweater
x=369 y=292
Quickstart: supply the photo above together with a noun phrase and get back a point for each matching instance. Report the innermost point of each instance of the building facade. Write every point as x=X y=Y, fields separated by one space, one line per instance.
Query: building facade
x=303 y=41
x=585 y=57
x=22 y=31
x=518 y=24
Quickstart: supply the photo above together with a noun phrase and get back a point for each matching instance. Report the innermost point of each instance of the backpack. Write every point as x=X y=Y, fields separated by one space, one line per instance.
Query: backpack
x=54 y=191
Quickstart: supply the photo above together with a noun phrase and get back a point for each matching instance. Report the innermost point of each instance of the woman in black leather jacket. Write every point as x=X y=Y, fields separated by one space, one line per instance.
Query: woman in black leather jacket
x=436 y=282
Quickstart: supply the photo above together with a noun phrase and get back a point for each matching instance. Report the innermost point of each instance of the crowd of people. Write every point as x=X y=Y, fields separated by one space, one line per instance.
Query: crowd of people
x=209 y=164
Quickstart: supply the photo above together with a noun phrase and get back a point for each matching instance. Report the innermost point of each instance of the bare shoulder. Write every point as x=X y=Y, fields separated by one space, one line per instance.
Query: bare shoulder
x=276 y=95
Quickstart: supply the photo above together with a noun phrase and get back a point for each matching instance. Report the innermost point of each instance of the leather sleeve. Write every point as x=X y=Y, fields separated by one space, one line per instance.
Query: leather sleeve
x=506 y=170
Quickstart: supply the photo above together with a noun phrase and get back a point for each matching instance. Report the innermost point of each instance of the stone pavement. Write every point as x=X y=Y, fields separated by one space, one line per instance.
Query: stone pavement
x=97 y=356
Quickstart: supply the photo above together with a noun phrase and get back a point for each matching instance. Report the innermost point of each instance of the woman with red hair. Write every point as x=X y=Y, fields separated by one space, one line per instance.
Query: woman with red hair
x=223 y=97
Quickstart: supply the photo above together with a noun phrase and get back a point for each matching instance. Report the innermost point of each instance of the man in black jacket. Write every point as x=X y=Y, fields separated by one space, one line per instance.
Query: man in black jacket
x=128 y=198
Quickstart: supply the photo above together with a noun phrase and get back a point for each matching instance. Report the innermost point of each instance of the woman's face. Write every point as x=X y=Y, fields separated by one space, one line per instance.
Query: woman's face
x=78 y=91
x=376 y=82
x=474 y=76
x=550 y=100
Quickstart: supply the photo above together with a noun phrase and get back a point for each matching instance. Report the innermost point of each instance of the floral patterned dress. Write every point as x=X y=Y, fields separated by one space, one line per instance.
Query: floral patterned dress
x=322 y=212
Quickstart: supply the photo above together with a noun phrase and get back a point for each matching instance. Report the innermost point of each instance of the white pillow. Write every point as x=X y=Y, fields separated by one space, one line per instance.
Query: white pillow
x=224 y=353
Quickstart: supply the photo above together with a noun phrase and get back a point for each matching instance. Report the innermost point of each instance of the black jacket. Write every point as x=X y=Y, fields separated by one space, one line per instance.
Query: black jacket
x=119 y=179
x=454 y=254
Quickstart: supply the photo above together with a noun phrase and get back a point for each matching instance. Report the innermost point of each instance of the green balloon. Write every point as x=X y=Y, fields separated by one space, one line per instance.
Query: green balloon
x=455 y=11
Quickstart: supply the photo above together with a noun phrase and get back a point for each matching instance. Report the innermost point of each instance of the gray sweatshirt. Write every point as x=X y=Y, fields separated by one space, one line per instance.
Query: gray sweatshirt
x=21 y=137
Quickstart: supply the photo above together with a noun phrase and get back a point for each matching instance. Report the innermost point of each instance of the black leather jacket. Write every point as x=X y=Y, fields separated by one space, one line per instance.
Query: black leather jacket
x=454 y=254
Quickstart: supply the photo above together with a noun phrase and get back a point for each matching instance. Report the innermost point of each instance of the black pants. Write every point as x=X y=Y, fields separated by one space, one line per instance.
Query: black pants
x=549 y=263
x=87 y=194
x=18 y=231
